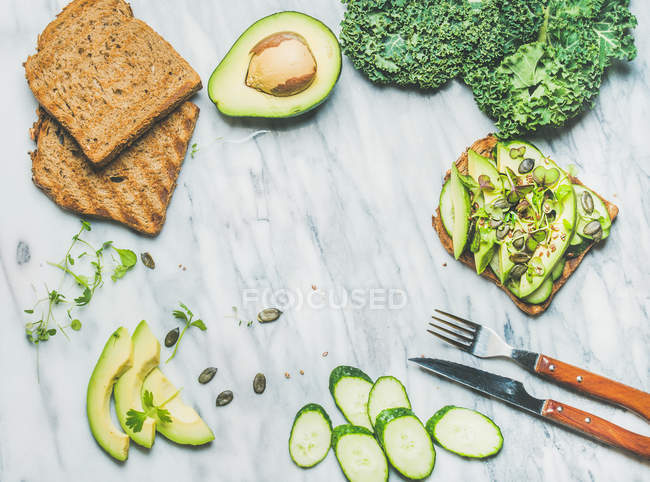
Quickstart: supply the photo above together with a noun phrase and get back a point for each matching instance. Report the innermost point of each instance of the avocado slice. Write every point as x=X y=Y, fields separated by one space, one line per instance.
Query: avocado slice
x=186 y=427
x=513 y=154
x=477 y=166
x=461 y=208
x=281 y=66
x=115 y=360
x=486 y=250
x=146 y=356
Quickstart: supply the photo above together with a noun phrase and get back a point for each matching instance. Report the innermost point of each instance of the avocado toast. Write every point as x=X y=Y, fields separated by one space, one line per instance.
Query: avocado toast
x=542 y=232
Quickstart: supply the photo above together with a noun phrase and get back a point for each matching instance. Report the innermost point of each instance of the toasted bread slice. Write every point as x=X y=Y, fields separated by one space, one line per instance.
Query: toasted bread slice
x=113 y=87
x=134 y=190
x=81 y=15
x=485 y=147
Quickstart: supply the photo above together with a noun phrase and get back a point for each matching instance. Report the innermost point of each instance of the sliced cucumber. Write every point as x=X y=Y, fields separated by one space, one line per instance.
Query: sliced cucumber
x=359 y=454
x=446 y=208
x=558 y=269
x=387 y=392
x=465 y=432
x=311 y=435
x=406 y=442
x=350 y=388
x=461 y=208
x=541 y=294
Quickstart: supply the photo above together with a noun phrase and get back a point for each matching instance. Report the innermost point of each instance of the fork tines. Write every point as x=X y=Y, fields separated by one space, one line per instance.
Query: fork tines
x=458 y=331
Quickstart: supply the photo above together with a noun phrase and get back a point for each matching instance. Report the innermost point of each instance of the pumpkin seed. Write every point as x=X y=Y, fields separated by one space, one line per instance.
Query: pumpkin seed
x=587 y=202
x=502 y=231
x=172 y=337
x=513 y=197
x=207 y=375
x=526 y=165
x=519 y=240
x=518 y=271
x=519 y=257
x=147 y=260
x=592 y=228
x=224 y=398
x=269 y=314
x=259 y=383
x=501 y=203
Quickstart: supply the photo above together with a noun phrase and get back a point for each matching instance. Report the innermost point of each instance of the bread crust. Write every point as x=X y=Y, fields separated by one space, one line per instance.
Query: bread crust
x=485 y=147
x=134 y=190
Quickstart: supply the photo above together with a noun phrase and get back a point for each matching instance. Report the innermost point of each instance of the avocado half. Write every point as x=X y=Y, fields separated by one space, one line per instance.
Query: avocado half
x=281 y=66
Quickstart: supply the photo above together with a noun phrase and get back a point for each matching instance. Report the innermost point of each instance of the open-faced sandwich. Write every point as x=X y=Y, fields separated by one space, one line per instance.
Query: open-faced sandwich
x=519 y=219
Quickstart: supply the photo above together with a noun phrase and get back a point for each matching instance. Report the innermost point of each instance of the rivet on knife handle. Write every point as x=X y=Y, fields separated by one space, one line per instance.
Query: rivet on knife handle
x=596 y=385
x=596 y=427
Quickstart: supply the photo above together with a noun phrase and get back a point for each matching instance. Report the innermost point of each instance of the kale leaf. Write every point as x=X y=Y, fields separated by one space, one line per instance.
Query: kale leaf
x=530 y=63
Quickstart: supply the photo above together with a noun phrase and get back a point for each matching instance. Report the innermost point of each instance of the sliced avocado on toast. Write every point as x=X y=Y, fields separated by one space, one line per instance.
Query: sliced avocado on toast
x=530 y=222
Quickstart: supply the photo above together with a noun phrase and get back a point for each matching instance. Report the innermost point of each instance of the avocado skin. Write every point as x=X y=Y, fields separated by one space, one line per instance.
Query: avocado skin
x=291 y=111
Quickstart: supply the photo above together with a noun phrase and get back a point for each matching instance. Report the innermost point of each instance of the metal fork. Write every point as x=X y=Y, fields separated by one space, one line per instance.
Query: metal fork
x=483 y=342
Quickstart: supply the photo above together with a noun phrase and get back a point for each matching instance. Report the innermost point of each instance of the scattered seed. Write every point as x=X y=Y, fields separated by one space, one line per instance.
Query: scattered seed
x=224 y=398
x=526 y=166
x=519 y=257
x=518 y=271
x=592 y=228
x=587 y=202
x=501 y=203
x=313 y=287
x=444 y=265
x=172 y=337
x=147 y=260
x=502 y=231
x=269 y=314
x=325 y=353
x=259 y=383
x=302 y=372
x=286 y=375
x=207 y=375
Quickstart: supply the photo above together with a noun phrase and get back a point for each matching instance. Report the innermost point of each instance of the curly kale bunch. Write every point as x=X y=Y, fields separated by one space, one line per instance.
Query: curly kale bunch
x=530 y=63
x=406 y=42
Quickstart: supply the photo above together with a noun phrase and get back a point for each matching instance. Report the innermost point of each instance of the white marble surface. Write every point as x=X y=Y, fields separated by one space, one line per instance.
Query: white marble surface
x=340 y=199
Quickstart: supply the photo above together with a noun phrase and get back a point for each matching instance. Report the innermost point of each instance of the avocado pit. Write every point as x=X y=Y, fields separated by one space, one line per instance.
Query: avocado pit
x=281 y=65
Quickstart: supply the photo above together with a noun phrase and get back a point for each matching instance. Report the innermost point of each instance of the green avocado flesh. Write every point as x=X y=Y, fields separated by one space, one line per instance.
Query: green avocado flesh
x=523 y=212
x=146 y=356
x=273 y=93
x=115 y=360
x=186 y=426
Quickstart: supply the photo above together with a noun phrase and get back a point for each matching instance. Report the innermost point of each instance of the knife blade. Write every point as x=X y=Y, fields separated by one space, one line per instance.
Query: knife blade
x=503 y=388
x=513 y=392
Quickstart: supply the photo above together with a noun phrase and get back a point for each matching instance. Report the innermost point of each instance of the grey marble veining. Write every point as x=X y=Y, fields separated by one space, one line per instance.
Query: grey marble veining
x=340 y=199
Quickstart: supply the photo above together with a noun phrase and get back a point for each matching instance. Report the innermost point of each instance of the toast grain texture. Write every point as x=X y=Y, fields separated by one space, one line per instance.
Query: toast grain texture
x=134 y=190
x=485 y=147
x=80 y=17
x=110 y=88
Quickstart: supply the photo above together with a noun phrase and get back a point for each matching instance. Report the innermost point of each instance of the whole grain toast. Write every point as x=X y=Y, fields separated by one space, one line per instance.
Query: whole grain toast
x=134 y=190
x=81 y=15
x=111 y=88
x=485 y=147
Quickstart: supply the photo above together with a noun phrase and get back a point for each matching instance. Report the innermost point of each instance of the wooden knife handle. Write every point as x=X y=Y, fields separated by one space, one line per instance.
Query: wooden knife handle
x=597 y=428
x=595 y=385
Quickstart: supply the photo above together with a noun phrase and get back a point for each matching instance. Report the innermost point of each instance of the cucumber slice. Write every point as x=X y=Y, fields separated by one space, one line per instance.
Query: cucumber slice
x=406 y=442
x=541 y=294
x=311 y=436
x=465 y=432
x=387 y=392
x=446 y=208
x=558 y=269
x=461 y=207
x=350 y=387
x=359 y=454
x=599 y=212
